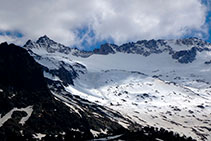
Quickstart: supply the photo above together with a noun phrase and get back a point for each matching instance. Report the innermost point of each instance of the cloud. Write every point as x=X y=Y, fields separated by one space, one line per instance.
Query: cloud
x=12 y=39
x=116 y=20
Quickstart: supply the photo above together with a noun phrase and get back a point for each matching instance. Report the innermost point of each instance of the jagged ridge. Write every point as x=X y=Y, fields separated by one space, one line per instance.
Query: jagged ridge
x=142 y=47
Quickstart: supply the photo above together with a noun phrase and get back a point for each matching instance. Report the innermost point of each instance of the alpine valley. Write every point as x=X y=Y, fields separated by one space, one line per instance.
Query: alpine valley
x=153 y=90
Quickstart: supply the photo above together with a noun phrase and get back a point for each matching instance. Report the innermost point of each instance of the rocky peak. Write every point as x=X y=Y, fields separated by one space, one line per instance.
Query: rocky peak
x=144 y=47
x=45 y=41
x=150 y=44
x=185 y=56
x=193 y=41
x=105 y=49
x=30 y=44
x=48 y=44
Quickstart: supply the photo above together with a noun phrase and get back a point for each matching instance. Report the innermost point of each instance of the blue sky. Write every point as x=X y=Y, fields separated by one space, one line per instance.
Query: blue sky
x=208 y=21
x=94 y=22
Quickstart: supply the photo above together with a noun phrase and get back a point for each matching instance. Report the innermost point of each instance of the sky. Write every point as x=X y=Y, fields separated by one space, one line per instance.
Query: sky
x=88 y=23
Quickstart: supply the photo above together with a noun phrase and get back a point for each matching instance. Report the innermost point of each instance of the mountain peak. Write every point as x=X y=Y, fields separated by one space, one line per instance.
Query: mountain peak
x=30 y=44
x=105 y=49
x=192 y=41
x=45 y=40
x=44 y=37
x=48 y=44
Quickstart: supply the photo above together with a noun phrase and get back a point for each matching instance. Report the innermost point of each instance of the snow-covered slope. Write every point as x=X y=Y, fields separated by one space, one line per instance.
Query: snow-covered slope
x=149 y=101
x=161 y=83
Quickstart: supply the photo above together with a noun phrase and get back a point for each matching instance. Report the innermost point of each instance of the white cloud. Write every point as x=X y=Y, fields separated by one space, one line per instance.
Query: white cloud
x=120 y=20
x=12 y=39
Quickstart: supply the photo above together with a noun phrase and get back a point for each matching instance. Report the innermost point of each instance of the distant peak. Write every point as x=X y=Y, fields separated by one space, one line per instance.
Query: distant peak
x=45 y=40
x=29 y=42
x=45 y=37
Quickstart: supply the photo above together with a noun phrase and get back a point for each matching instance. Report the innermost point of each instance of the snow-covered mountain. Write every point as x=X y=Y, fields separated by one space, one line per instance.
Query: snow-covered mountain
x=32 y=110
x=158 y=83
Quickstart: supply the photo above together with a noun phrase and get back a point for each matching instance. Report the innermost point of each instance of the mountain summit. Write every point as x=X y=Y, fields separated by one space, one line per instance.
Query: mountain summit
x=49 y=45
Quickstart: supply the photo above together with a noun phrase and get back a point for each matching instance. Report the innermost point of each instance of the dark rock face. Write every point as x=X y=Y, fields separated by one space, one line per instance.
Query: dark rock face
x=126 y=48
x=30 y=44
x=65 y=75
x=148 y=47
x=13 y=70
x=50 y=45
x=45 y=40
x=144 y=47
x=207 y=62
x=185 y=56
x=192 y=41
x=105 y=49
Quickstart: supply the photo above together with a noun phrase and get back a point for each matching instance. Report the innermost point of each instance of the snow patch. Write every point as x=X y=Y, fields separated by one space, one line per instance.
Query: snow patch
x=29 y=111
x=39 y=136
x=73 y=108
x=50 y=76
x=108 y=138
x=94 y=133
x=75 y=130
x=10 y=97
x=6 y=117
